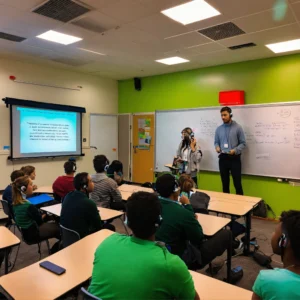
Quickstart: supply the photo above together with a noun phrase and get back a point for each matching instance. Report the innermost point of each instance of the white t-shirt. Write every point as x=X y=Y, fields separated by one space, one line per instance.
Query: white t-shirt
x=184 y=154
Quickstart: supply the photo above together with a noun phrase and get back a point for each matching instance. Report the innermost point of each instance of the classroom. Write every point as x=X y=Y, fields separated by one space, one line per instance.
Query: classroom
x=146 y=143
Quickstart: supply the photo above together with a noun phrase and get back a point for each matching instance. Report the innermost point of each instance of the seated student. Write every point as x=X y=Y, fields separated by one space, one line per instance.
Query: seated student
x=283 y=283
x=7 y=194
x=115 y=172
x=106 y=193
x=149 y=271
x=180 y=225
x=27 y=215
x=78 y=212
x=65 y=184
x=30 y=171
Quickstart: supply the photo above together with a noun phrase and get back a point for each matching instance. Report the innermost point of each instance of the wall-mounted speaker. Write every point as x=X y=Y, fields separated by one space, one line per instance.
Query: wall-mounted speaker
x=137 y=83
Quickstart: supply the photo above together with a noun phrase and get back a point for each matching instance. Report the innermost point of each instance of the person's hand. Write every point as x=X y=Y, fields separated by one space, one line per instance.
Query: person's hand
x=218 y=149
x=196 y=216
x=44 y=216
x=118 y=178
x=232 y=152
x=34 y=187
x=184 y=200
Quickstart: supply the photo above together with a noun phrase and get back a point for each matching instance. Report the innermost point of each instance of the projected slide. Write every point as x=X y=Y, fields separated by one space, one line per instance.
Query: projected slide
x=47 y=131
x=39 y=132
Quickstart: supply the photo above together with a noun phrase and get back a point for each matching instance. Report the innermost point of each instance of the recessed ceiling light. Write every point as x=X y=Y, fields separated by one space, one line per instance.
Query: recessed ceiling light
x=191 y=12
x=172 y=60
x=94 y=52
x=57 y=37
x=285 y=46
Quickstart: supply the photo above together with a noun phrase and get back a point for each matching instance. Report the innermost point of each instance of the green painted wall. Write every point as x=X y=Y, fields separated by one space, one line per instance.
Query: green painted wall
x=264 y=81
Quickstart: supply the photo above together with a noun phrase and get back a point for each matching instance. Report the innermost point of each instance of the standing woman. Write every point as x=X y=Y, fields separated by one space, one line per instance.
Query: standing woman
x=188 y=155
x=27 y=215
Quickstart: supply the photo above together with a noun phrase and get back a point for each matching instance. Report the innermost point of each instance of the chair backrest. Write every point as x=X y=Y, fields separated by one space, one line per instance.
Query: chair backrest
x=30 y=235
x=69 y=236
x=87 y=295
x=6 y=208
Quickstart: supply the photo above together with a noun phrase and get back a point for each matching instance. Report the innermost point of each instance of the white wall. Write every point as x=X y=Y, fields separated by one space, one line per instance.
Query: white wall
x=98 y=95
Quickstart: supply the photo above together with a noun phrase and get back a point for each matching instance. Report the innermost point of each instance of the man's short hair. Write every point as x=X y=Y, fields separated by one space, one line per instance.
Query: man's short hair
x=226 y=108
x=291 y=227
x=143 y=211
x=16 y=174
x=81 y=180
x=69 y=167
x=100 y=162
x=165 y=185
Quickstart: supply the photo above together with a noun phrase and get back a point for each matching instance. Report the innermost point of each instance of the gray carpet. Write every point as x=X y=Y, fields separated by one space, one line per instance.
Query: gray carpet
x=261 y=229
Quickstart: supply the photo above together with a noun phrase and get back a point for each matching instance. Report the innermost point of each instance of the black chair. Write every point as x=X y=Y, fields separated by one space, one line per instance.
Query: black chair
x=8 y=211
x=87 y=295
x=31 y=236
x=69 y=236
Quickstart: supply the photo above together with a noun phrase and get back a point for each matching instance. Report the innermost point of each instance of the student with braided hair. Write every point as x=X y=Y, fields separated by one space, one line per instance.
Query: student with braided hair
x=283 y=283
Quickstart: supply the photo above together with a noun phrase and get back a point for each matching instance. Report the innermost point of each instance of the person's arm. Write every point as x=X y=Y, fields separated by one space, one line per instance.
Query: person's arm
x=255 y=297
x=114 y=191
x=35 y=214
x=241 y=140
x=93 y=216
x=182 y=284
x=192 y=228
x=217 y=141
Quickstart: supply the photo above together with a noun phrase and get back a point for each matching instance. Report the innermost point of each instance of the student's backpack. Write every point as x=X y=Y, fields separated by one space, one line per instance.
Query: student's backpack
x=261 y=210
x=199 y=202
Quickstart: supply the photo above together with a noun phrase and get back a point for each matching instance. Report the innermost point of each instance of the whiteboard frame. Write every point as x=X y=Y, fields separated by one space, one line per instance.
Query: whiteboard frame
x=291 y=103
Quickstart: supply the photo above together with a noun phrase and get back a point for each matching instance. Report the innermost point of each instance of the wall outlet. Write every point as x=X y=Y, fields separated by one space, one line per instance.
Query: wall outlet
x=84 y=140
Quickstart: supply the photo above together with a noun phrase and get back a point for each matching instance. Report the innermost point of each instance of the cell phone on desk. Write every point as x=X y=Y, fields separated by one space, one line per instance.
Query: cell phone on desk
x=52 y=267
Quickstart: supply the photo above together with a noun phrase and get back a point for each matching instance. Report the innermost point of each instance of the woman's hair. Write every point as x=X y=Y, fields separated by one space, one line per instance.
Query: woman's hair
x=19 y=186
x=186 y=183
x=28 y=170
x=185 y=143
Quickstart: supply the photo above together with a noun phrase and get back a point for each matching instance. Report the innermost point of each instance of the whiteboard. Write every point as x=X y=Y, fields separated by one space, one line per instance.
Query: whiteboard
x=104 y=135
x=272 y=135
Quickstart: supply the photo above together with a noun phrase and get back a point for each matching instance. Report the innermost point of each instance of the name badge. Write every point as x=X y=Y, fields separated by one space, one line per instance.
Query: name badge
x=226 y=146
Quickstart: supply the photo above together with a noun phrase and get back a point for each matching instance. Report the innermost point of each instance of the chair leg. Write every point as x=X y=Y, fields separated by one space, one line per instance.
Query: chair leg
x=39 y=250
x=48 y=246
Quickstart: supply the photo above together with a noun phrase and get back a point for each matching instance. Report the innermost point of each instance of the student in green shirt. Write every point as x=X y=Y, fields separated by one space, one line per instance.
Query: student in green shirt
x=281 y=284
x=180 y=224
x=137 y=267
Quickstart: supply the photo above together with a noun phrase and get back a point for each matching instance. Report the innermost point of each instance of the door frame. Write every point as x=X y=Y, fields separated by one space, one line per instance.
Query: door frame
x=130 y=144
x=131 y=138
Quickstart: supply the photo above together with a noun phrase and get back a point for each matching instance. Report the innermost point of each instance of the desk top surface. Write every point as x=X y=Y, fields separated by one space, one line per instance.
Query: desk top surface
x=212 y=224
x=7 y=238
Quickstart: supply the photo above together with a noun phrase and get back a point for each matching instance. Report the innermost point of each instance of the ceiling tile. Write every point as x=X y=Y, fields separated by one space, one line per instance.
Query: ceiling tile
x=160 y=26
x=210 y=47
x=296 y=9
x=127 y=11
x=275 y=35
x=187 y=40
x=160 y=5
x=239 y=8
x=99 y=4
x=27 y=5
x=263 y=20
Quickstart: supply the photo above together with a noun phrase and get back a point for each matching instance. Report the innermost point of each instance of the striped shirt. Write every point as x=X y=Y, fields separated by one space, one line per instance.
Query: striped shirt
x=105 y=190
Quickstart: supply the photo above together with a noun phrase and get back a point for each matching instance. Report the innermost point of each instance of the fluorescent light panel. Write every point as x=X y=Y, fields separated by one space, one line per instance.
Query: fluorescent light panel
x=57 y=37
x=285 y=46
x=94 y=52
x=172 y=60
x=191 y=12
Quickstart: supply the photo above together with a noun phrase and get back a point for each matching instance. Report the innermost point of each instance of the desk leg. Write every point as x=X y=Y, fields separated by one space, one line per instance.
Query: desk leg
x=229 y=255
x=248 y=228
x=6 y=260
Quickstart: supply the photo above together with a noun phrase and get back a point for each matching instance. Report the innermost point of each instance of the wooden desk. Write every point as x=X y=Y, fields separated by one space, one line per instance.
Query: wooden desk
x=134 y=188
x=44 y=190
x=105 y=213
x=34 y=282
x=212 y=224
x=125 y=195
x=212 y=289
x=7 y=240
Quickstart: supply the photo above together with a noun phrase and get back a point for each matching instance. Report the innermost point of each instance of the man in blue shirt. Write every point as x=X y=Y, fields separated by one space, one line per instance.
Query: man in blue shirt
x=230 y=142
